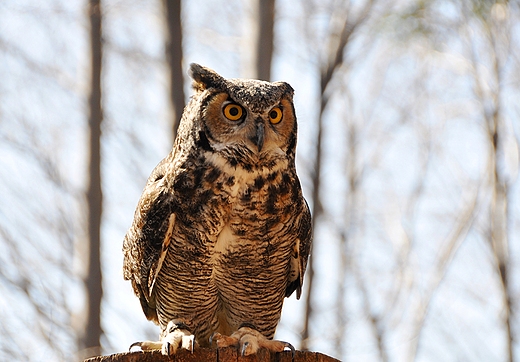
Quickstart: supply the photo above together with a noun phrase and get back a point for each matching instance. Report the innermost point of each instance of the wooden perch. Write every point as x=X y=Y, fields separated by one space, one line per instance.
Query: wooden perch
x=229 y=354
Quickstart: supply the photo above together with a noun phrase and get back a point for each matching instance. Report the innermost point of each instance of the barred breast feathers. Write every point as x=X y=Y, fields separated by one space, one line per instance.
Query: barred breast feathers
x=240 y=173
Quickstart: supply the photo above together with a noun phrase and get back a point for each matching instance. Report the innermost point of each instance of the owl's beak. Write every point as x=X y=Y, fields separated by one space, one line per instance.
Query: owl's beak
x=258 y=138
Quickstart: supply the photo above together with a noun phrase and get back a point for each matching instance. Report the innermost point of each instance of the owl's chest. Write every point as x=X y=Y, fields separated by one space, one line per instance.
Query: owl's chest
x=231 y=208
x=238 y=207
x=257 y=221
x=236 y=222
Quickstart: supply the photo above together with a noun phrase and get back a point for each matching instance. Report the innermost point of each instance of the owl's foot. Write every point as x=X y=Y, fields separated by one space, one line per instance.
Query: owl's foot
x=176 y=336
x=249 y=341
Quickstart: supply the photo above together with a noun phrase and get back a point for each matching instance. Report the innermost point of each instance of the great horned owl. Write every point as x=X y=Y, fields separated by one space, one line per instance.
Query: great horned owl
x=222 y=232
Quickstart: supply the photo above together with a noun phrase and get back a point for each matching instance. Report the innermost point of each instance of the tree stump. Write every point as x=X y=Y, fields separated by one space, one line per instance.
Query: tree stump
x=229 y=354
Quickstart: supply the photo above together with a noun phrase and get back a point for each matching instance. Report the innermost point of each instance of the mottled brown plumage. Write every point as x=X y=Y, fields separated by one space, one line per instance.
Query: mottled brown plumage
x=222 y=232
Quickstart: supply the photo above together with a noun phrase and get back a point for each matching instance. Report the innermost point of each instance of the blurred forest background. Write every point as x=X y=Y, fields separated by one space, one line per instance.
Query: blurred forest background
x=409 y=122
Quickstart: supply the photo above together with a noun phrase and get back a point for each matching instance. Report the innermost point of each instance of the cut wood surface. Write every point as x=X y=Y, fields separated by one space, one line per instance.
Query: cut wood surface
x=212 y=355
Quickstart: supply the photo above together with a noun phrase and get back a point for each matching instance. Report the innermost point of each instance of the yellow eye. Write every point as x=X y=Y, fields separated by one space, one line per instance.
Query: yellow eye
x=275 y=116
x=233 y=112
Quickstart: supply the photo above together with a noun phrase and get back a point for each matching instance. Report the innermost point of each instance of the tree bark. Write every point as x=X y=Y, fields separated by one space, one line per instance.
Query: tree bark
x=90 y=336
x=212 y=355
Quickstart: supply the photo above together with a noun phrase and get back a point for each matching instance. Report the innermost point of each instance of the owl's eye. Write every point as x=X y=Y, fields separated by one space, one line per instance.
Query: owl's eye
x=275 y=116
x=233 y=112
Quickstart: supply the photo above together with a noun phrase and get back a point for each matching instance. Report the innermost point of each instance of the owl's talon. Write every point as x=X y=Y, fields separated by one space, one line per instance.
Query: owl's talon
x=249 y=341
x=175 y=337
x=224 y=341
x=178 y=338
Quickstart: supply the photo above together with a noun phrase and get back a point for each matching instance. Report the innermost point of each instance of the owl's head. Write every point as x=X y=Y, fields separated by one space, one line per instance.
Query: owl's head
x=243 y=118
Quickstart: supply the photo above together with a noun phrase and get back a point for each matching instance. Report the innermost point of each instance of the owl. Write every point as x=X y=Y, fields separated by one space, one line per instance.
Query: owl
x=222 y=233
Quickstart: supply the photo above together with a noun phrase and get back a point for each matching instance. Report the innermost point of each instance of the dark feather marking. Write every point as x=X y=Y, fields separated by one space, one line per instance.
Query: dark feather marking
x=272 y=176
x=230 y=181
x=248 y=167
x=233 y=161
x=212 y=175
x=270 y=205
x=203 y=142
x=204 y=197
x=156 y=221
x=259 y=183
x=296 y=192
x=246 y=196
x=284 y=187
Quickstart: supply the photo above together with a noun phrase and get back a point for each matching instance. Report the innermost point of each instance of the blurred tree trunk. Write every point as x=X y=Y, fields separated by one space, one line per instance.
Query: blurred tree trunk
x=500 y=193
x=90 y=336
x=497 y=35
x=174 y=59
x=264 y=39
x=498 y=235
x=499 y=210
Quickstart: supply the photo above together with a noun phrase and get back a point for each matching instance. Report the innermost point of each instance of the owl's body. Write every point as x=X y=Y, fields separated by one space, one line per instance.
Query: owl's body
x=222 y=232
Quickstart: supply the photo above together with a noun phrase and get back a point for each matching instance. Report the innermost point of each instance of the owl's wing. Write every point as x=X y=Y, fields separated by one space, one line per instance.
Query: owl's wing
x=146 y=242
x=301 y=253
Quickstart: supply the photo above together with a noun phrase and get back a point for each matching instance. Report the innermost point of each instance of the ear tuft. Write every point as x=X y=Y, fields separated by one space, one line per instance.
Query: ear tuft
x=204 y=78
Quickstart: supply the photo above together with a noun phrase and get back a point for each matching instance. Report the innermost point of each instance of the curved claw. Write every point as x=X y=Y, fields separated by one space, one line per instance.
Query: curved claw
x=214 y=335
x=138 y=344
x=291 y=347
x=244 y=349
x=146 y=346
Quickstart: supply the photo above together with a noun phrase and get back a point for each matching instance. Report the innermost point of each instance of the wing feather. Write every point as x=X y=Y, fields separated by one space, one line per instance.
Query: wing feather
x=146 y=242
x=301 y=253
